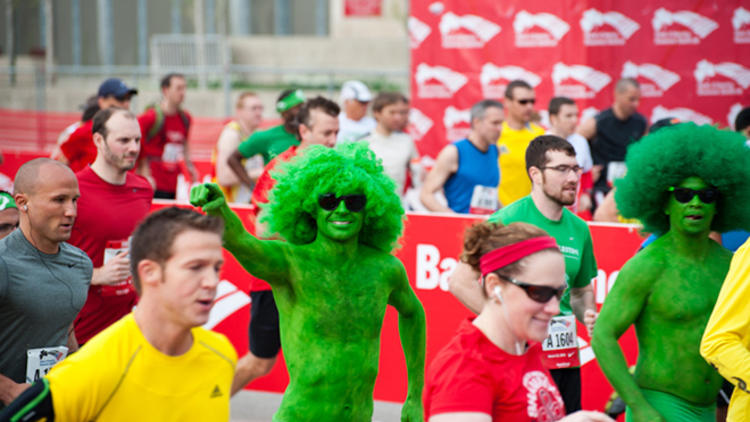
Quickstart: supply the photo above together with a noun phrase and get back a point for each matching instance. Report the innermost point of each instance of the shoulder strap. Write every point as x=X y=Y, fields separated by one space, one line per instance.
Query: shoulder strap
x=158 y=123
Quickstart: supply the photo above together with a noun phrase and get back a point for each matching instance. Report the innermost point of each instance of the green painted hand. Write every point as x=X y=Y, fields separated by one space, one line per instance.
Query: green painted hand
x=209 y=197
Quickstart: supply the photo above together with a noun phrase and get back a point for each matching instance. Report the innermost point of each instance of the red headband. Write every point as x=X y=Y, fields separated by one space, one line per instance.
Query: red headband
x=507 y=255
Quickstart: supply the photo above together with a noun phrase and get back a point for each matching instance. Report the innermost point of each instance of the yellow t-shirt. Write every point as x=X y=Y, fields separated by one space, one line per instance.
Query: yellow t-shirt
x=514 y=181
x=119 y=376
x=726 y=341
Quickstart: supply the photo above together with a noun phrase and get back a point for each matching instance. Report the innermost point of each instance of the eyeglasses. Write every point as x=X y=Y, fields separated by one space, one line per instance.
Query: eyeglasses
x=565 y=169
x=685 y=195
x=354 y=203
x=537 y=293
x=526 y=101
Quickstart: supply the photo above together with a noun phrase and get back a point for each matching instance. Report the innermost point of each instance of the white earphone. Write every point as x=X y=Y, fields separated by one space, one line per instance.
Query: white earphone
x=25 y=207
x=498 y=294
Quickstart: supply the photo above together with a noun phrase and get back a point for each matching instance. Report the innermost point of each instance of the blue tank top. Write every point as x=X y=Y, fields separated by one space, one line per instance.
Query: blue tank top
x=474 y=168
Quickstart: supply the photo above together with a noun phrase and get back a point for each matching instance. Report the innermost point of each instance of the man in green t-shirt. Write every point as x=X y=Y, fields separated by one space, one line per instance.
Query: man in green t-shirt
x=270 y=142
x=554 y=173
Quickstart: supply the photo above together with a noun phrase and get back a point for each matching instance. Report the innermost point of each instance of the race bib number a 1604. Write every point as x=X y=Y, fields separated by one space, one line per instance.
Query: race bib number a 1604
x=560 y=348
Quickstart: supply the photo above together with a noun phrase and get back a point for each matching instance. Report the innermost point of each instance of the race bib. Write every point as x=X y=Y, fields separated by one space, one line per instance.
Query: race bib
x=483 y=200
x=172 y=155
x=560 y=348
x=40 y=361
x=125 y=287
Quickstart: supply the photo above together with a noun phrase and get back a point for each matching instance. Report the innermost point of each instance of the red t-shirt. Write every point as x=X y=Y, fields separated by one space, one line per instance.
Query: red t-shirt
x=165 y=149
x=79 y=148
x=471 y=374
x=260 y=196
x=106 y=213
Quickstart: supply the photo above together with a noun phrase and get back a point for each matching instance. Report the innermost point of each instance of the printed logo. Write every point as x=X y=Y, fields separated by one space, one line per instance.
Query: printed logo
x=419 y=124
x=436 y=8
x=542 y=402
x=681 y=27
x=657 y=78
x=216 y=392
x=524 y=23
x=457 y=123
x=468 y=31
x=418 y=31
x=734 y=110
x=578 y=81
x=741 y=25
x=229 y=299
x=495 y=79
x=681 y=113
x=438 y=81
x=709 y=78
x=610 y=28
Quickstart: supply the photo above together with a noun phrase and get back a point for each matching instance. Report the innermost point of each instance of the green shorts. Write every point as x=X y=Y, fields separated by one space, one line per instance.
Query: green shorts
x=674 y=408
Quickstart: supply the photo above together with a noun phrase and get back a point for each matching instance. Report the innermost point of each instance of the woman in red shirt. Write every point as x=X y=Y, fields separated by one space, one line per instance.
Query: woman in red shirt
x=492 y=369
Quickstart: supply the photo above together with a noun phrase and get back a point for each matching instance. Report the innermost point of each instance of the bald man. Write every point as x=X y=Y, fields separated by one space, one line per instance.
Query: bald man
x=43 y=280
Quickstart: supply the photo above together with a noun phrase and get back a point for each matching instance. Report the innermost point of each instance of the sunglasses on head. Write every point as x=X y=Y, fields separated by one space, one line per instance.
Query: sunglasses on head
x=685 y=195
x=537 y=293
x=354 y=203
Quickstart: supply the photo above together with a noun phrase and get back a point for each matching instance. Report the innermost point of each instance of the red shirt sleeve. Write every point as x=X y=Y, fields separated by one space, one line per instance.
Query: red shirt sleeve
x=462 y=386
x=75 y=143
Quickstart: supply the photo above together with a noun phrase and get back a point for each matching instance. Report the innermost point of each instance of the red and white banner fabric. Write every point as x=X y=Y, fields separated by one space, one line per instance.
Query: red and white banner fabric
x=692 y=58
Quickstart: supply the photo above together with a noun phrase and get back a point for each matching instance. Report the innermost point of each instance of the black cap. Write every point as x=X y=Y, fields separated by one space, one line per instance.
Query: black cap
x=115 y=88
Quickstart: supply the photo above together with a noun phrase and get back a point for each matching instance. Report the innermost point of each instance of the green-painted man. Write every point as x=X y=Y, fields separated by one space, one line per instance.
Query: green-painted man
x=332 y=279
x=682 y=182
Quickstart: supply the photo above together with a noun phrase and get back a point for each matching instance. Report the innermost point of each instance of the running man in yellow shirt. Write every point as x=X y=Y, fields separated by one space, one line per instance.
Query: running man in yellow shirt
x=156 y=363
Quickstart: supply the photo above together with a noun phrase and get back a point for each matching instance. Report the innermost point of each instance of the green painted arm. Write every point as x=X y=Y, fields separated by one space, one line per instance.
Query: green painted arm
x=265 y=259
x=621 y=309
x=411 y=327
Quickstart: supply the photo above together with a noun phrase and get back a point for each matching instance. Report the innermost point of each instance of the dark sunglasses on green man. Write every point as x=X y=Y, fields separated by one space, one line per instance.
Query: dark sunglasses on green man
x=685 y=195
x=354 y=203
x=535 y=292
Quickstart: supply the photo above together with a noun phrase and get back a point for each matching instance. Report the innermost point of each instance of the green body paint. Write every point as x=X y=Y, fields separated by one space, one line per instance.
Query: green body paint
x=331 y=293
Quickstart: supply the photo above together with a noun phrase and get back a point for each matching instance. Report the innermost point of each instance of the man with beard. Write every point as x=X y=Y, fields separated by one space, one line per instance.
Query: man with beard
x=554 y=172
x=113 y=201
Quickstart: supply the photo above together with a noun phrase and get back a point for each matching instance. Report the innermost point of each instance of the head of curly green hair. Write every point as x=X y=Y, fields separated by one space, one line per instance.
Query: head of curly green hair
x=349 y=168
x=671 y=155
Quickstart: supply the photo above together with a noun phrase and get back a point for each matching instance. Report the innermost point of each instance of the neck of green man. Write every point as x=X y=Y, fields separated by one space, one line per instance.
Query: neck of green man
x=689 y=244
x=335 y=248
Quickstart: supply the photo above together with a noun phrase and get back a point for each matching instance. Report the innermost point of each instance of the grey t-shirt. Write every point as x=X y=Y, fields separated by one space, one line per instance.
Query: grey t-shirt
x=40 y=295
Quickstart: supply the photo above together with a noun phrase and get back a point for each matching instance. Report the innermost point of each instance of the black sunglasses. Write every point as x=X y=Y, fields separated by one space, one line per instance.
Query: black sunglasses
x=685 y=195
x=527 y=101
x=537 y=293
x=354 y=203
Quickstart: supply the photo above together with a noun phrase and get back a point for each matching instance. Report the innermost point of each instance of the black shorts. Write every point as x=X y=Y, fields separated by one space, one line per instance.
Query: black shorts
x=263 y=332
x=568 y=381
x=725 y=393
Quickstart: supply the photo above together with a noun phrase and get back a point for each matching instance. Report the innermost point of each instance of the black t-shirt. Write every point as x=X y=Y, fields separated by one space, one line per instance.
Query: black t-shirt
x=612 y=139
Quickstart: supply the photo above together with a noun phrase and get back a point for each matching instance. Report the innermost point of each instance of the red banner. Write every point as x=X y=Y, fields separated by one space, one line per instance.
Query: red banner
x=429 y=256
x=689 y=56
x=360 y=8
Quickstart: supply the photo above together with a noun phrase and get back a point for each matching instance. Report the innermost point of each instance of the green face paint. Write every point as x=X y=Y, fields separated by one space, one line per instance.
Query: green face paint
x=694 y=216
x=340 y=224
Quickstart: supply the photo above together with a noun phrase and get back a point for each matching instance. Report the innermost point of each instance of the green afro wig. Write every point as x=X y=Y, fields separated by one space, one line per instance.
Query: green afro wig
x=347 y=169
x=669 y=156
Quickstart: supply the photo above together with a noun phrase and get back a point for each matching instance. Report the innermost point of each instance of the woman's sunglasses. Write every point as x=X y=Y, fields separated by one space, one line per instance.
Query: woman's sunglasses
x=354 y=203
x=685 y=195
x=537 y=293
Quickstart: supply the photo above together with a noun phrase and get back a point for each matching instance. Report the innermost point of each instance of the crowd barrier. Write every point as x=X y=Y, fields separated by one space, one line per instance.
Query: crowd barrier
x=428 y=250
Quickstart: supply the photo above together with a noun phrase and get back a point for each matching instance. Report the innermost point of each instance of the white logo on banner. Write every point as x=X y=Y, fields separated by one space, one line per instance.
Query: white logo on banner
x=705 y=71
x=438 y=81
x=418 y=31
x=491 y=75
x=681 y=113
x=555 y=29
x=436 y=8
x=419 y=124
x=696 y=27
x=457 y=123
x=589 y=80
x=623 y=26
x=466 y=31
x=660 y=79
x=733 y=112
x=741 y=25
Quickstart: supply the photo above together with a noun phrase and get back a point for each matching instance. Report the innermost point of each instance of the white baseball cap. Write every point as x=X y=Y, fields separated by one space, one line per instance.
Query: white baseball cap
x=355 y=90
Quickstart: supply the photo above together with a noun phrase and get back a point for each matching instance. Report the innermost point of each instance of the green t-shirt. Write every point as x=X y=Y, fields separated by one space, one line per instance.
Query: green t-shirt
x=268 y=143
x=572 y=236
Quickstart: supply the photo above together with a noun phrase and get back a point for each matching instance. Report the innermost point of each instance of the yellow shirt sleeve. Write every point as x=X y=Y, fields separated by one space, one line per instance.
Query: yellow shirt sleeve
x=725 y=341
